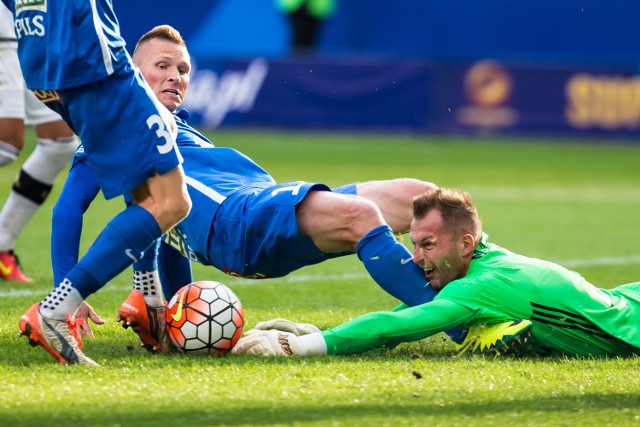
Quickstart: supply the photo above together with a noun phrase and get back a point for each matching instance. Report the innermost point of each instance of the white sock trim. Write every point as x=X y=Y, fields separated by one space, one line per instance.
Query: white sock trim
x=14 y=216
x=148 y=282
x=62 y=300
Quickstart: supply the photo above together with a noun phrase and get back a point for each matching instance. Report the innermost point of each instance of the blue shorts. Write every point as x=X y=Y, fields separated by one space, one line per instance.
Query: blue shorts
x=123 y=129
x=255 y=233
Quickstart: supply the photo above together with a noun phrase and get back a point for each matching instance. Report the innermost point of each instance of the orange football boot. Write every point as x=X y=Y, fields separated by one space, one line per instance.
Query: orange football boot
x=59 y=338
x=146 y=321
x=10 y=268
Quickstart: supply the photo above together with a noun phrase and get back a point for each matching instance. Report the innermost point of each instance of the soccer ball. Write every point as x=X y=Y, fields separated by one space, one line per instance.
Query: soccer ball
x=205 y=317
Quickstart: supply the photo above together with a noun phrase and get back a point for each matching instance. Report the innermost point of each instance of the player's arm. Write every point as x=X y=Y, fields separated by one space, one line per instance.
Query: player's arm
x=388 y=329
x=298 y=328
x=364 y=333
x=78 y=192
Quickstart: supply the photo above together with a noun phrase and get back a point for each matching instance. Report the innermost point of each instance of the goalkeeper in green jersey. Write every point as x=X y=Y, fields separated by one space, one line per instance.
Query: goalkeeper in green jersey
x=479 y=283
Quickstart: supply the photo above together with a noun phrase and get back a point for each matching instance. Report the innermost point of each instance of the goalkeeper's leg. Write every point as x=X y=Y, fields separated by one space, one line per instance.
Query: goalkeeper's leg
x=501 y=338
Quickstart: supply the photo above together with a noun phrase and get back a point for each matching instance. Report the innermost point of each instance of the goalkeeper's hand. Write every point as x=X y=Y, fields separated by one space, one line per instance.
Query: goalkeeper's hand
x=287 y=326
x=269 y=343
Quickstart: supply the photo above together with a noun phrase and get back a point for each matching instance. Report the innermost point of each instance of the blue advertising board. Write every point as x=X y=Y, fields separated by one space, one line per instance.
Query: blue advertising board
x=485 y=96
x=425 y=66
x=497 y=97
x=370 y=93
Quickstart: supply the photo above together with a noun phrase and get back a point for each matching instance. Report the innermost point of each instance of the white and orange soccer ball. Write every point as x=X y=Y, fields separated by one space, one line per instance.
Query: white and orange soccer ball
x=205 y=317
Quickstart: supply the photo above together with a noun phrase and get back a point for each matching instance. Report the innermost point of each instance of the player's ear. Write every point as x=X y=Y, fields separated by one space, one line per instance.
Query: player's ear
x=468 y=244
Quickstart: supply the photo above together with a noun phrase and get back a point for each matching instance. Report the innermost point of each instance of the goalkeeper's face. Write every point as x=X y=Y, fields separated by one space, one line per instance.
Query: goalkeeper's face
x=442 y=255
x=165 y=66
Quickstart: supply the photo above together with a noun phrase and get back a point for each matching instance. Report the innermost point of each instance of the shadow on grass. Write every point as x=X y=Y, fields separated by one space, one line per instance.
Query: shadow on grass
x=112 y=351
x=352 y=414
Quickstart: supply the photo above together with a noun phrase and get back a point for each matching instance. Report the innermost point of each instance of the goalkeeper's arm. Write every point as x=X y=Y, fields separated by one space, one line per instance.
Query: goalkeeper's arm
x=364 y=333
x=388 y=329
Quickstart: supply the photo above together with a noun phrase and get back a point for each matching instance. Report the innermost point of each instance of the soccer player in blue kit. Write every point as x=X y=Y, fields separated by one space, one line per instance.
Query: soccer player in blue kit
x=242 y=221
x=55 y=145
x=74 y=60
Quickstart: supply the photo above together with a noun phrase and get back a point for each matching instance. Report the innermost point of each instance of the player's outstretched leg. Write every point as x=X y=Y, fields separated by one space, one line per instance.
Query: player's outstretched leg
x=58 y=337
x=10 y=268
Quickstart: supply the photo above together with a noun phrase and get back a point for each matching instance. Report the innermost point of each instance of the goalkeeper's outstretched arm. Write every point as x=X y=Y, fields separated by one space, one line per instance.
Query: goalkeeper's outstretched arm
x=388 y=329
x=367 y=332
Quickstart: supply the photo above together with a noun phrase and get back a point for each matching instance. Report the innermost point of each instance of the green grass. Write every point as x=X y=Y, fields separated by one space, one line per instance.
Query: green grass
x=569 y=202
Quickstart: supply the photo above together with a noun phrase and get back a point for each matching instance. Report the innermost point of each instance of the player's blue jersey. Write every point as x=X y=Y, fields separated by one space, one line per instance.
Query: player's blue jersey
x=241 y=221
x=65 y=44
x=212 y=175
x=217 y=172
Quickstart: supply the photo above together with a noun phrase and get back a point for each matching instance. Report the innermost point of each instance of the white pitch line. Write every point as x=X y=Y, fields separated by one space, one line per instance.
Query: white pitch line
x=302 y=278
x=629 y=195
x=602 y=261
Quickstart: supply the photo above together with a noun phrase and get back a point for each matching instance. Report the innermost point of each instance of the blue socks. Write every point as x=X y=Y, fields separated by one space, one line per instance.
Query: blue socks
x=175 y=270
x=149 y=261
x=391 y=265
x=121 y=243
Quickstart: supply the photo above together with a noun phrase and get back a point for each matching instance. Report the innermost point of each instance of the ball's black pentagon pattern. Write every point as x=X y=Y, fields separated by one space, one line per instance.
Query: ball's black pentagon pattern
x=212 y=319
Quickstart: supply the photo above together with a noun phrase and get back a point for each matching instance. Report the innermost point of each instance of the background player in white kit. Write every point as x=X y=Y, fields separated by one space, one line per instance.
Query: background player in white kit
x=56 y=145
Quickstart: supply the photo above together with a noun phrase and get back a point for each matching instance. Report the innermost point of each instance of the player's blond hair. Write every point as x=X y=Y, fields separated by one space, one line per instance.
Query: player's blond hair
x=164 y=32
x=459 y=213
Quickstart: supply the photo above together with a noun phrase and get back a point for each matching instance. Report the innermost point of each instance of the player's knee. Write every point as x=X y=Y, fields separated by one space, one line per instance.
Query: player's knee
x=184 y=206
x=176 y=208
x=50 y=157
x=63 y=147
x=169 y=212
x=361 y=215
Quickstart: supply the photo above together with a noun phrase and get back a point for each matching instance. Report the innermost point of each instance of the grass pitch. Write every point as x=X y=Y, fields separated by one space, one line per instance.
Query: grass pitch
x=573 y=203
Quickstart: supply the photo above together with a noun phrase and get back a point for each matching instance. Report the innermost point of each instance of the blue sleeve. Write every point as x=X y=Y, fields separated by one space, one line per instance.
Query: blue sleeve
x=77 y=194
x=174 y=270
x=346 y=189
